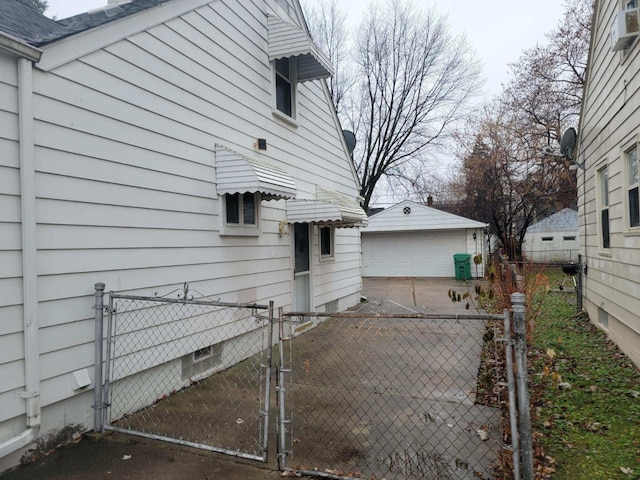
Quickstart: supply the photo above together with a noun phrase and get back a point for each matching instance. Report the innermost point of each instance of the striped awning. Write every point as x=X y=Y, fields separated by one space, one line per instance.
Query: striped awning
x=328 y=208
x=238 y=173
x=287 y=40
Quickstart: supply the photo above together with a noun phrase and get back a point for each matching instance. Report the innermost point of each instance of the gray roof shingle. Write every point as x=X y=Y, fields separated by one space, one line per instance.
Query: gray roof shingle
x=36 y=29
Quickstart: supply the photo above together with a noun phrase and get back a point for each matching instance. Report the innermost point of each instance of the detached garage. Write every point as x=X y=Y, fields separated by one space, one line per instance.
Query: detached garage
x=411 y=240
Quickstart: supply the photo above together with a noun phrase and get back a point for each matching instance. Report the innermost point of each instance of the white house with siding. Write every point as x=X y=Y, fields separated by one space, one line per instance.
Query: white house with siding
x=413 y=240
x=148 y=144
x=607 y=158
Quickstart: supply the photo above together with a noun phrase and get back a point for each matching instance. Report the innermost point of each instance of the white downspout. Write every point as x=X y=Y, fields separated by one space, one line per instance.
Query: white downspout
x=31 y=393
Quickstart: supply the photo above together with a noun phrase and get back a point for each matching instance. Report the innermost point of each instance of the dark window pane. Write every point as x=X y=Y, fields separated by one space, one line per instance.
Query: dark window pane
x=283 y=95
x=301 y=238
x=634 y=210
x=282 y=67
x=233 y=215
x=249 y=209
x=325 y=241
x=606 y=243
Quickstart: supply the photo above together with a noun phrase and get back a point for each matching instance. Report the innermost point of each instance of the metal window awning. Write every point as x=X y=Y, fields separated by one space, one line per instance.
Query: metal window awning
x=287 y=40
x=238 y=173
x=328 y=208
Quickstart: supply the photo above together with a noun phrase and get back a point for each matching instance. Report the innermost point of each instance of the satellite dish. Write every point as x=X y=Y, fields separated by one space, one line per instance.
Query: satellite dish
x=568 y=143
x=350 y=138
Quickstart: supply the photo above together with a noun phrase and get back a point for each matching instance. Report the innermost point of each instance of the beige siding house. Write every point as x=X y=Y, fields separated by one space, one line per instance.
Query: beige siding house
x=608 y=175
x=154 y=143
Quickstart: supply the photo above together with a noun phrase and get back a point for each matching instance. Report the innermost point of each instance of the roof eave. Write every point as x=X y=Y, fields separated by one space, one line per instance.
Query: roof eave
x=18 y=48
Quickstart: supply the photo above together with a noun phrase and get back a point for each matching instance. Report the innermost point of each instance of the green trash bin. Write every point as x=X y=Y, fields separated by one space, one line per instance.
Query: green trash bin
x=463 y=266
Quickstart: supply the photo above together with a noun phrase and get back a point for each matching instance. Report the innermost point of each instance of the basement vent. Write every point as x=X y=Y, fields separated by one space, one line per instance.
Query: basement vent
x=603 y=317
x=331 y=307
x=201 y=361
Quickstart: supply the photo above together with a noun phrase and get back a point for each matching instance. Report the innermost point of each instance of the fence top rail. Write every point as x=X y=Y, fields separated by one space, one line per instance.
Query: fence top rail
x=426 y=316
x=212 y=303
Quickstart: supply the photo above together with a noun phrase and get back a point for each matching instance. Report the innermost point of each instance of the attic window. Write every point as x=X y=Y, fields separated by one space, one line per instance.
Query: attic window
x=406 y=210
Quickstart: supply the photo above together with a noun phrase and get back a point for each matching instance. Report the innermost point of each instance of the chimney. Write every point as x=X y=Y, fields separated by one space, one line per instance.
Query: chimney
x=429 y=201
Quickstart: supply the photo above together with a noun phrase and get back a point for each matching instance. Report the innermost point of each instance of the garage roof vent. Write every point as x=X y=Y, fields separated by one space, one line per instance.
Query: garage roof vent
x=406 y=210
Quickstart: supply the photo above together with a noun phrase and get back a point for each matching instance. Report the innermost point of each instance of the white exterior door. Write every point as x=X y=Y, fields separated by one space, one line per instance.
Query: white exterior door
x=411 y=254
x=302 y=270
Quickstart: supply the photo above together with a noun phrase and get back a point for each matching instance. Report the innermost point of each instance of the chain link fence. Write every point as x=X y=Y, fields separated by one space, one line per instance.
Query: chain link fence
x=377 y=395
x=193 y=372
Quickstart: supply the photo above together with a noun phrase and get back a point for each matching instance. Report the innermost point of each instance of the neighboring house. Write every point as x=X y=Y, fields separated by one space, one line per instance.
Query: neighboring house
x=152 y=143
x=554 y=239
x=608 y=187
x=412 y=240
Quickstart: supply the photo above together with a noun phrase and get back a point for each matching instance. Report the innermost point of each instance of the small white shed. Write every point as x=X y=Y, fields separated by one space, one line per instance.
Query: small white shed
x=412 y=240
x=554 y=239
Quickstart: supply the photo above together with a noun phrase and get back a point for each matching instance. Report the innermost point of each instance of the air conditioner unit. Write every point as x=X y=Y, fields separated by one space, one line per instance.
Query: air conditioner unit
x=625 y=28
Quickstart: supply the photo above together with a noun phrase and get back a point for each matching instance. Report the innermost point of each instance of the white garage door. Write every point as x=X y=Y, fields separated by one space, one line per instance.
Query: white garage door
x=411 y=254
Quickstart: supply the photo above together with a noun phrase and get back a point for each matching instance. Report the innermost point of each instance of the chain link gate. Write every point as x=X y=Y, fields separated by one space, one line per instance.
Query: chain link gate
x=378 y=395
x=191 y=372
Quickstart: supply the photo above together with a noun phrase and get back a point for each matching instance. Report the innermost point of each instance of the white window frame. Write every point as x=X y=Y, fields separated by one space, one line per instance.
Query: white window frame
x=603 y=203
x=631 y=183
x=241 y=228
x=293 y=84
x=327 y=257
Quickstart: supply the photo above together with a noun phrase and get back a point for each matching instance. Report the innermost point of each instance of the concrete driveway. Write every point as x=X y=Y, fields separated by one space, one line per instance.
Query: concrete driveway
x=423 y=295
x=393 y=397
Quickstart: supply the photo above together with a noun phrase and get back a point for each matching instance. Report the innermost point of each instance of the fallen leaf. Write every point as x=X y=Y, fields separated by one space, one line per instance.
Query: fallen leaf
x=626 y=471
x=126 y=457
x=551 y=353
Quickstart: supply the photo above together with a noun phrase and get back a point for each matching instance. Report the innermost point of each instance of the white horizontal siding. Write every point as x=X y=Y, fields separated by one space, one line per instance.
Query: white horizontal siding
x=126 y=186
x=12 y=405
x=611 y=121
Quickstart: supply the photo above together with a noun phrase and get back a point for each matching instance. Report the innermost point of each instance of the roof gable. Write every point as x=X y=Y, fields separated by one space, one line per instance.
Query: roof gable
x=411 y=216
x=566 y=219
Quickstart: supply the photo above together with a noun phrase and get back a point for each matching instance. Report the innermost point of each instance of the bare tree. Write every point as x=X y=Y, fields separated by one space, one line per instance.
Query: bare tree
x=38 y=5
x=545 y=91
x=416 y=80
x=399 y=85
x=327 y=25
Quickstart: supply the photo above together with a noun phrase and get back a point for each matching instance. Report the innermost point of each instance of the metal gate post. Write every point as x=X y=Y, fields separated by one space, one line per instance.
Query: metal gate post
x=267 y=386
x=524 y=418
x=106 y=391
x=281 y=389
x=97 y=371
x=511 y=388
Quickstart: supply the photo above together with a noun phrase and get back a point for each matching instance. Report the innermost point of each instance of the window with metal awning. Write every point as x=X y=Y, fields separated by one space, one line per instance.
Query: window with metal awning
x=287 y=40
x=327 y=208
x=237 y=173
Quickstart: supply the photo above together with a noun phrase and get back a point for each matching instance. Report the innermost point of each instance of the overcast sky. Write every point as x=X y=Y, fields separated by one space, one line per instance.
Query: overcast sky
x=499 y=30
